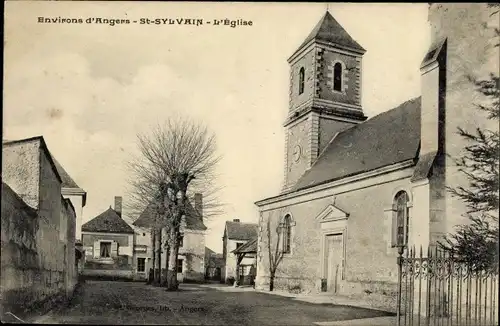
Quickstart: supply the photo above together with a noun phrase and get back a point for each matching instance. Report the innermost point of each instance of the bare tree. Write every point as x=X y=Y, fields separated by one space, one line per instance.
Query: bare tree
x=176 y=160
x=276 y=257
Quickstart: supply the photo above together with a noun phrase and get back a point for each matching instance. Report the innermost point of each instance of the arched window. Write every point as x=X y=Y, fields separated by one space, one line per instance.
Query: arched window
x=400 y=219
x=301 y=80
x=337 y=77
x=287 y=234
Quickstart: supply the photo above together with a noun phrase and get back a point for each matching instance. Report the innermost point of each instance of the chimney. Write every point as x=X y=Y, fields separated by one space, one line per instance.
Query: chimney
x=118 y=205
x=198 y=204
x=236 y=220
x=433 y=89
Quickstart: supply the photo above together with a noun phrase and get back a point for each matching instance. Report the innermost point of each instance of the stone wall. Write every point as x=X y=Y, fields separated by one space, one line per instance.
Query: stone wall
x=38 y=225
x=71 y=264
x=21 y=169
x=193 y=251
x=51 y=249
x=369 y=262
x=350 y=68
x=27 y=279
x=298 y=135
x=20 y=265
x=306 y=61
x=463 y=24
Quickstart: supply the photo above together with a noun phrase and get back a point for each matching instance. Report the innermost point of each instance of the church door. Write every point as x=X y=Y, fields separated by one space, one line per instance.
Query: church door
x=334 y=253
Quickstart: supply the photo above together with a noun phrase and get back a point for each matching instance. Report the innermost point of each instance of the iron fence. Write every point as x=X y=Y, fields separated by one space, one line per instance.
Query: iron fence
x=434 y=289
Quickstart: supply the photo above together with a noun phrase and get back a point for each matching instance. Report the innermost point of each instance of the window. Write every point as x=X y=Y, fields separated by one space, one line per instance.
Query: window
x=244 y=270
x=337 y=77
x=239 y=244
x=287 y=234
x=105 y=249
x=141 y=265
x=301 y=80
x=400 y=219
x=181 y=240
x=179 y=266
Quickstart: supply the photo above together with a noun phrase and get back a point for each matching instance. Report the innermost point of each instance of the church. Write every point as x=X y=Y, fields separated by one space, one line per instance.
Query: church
x=356 y=189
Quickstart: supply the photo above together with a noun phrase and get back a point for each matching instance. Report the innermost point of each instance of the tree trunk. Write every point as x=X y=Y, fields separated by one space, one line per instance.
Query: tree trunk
x=164 y=281
x=172 y=284
x=160 y=247
x=153 y=267
x=158 y=258
x=271 y=282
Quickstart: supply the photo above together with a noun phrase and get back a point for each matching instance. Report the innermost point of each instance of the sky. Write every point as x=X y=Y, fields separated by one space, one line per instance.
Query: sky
x=88 y=89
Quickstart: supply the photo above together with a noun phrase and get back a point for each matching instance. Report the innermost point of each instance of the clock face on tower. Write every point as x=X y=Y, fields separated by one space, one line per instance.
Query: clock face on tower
x=297 y=151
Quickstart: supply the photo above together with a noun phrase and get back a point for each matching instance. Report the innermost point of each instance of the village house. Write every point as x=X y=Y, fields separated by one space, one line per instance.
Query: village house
x=143 y=252
x=355 y=187
x=214 y=263
x=191 y=259
x=109 y=243
x=236 y=234
x=39 y=257
x=247 y=272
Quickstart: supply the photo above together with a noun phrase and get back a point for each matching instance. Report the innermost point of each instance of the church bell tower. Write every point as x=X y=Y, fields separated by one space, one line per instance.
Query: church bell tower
x=325 y=95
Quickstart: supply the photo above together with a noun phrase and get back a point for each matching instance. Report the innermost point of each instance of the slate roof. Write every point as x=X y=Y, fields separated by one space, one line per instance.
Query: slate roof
x=193 y=219
x=329 y=30
x=241 y=231
x=247 y=248
x=108 y=222
x=67 y=181
x=388 y=138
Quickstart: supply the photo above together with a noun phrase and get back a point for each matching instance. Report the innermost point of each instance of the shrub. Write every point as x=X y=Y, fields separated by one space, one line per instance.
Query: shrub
x=295 y=288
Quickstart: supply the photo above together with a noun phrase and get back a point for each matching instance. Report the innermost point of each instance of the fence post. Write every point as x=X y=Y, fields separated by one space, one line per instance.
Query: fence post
x=400 y=277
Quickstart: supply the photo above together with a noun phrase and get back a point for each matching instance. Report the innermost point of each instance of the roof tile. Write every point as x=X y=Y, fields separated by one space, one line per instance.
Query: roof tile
x=329 y=30
x=388 y=138
x=107 y=222
x=247 y=248
x=241 y=231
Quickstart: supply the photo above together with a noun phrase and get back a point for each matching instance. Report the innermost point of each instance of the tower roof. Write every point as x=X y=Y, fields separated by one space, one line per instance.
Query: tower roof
x=329 y=30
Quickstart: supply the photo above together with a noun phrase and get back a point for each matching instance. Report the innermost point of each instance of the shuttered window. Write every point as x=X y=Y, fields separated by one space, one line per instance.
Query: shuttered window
x=97 y=249
x=114 y=249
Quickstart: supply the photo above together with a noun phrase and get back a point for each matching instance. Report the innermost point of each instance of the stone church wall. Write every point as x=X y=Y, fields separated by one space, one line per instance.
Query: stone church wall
x=369 y=260
x=307 y=61
x=350 y=70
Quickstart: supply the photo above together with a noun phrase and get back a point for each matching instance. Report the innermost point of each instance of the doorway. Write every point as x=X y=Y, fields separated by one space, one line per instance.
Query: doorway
x=334 y=252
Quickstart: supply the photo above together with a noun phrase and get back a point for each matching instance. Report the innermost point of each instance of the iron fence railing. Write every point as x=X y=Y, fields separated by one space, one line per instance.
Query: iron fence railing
x=434 y=289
